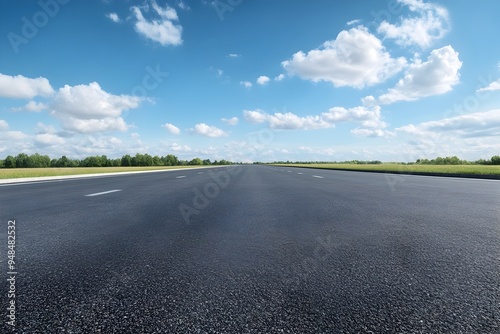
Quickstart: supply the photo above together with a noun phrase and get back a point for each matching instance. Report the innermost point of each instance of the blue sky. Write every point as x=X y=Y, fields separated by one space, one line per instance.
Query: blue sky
x=251 y=80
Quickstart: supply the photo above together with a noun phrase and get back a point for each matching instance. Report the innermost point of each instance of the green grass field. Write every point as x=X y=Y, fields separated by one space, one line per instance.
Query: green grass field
x=444 y=169
x=12 y=173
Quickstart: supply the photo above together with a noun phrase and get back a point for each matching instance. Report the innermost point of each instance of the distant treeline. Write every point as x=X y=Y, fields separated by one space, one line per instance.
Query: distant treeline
x=495 y=160
x=36 y=160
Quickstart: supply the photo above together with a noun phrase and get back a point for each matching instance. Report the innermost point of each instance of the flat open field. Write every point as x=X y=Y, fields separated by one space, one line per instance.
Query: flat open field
x=443 y=169
x=12 y=173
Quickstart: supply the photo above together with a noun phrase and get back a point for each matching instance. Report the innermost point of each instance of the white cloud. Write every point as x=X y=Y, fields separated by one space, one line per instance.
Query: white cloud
x=208 y=131
x=163 y=30
x=3 y=125
x=230 y=121
x=182 y=5
x=172 y=129
x=247 y=84
x=480 y=124
x=434 y=77
x=355 y=59
x=468 y=136
x=32 y=106
x=179 y=148
x=255 y=116
x=290 y=121
x=20 y=87
x=353 y=22
x=372 y=133
x=234 y=55
x=88 y=108
x=368 y=117
x=113 y=17
x=48 y=139
x=12 y=136
x=279 y=77
x=430 y=24
x=495 y=85
x=262 y=80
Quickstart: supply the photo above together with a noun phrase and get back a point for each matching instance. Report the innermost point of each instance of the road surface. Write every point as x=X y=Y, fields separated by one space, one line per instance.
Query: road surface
x=254 y=249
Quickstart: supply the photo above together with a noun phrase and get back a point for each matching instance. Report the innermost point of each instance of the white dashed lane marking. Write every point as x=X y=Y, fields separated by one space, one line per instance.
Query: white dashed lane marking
x=180 y=177
x=319 y=177
x=103 y=193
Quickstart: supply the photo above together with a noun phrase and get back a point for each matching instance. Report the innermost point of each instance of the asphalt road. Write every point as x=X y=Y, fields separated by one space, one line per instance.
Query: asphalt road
x=256 y=250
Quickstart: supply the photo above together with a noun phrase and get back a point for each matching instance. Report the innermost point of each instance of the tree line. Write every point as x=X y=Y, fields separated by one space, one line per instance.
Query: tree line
x=495 y=160
x=23 y=160
x=454 y=160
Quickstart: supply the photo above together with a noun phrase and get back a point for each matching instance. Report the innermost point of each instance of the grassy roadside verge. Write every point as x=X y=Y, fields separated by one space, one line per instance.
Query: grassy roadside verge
x=444 y=170
x=14 y=173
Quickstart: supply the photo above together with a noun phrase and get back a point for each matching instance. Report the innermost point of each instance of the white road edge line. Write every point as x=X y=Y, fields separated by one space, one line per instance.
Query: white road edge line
x=319 y=177
x=180 y=177
x=103 y=193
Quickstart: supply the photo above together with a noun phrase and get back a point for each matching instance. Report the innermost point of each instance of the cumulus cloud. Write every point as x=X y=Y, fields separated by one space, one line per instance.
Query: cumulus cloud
x=247 y=84
x=430 y=24
x=436 y=76
x=495 y=85
x=355 y=58
x=287 y=120
x=372 y=133
x=88 y=108
x=230 y=121
x=208 y=131
x=368 y=117
x=32 y=106
x=480 y=124
x=279 y=77
x=48 y=139
x=179 y=148
x=172 y=129
x=255 y=116
x=113 y=17
x=262 y=80
x=20 y=87
x=164 y=30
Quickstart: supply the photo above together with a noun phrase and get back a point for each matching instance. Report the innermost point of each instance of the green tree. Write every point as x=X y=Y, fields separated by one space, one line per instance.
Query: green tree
x=196 y=161
x=495 y=160
x=157 y=161
x=39 y=161
x=10 y=162
x=126 y=160
x=23 y=161
x=207 y=162
x=170 y=160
